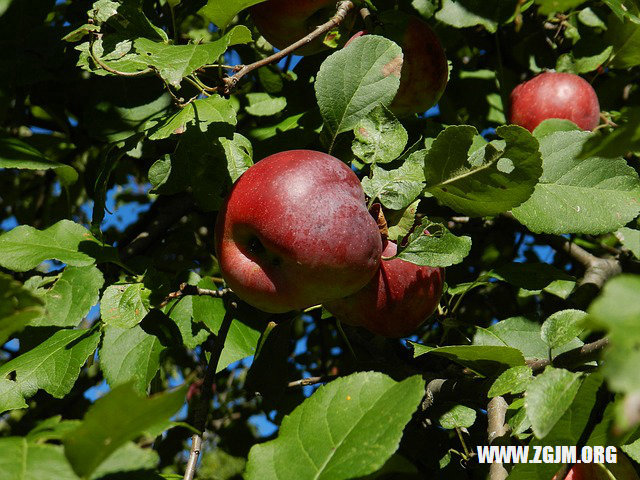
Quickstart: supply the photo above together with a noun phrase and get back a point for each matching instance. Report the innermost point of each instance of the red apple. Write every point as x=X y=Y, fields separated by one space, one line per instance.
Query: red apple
x=283 y=22
x=555 y=95
x=424 y=72
x=622 y=470
x=295 y=232
x=396 y=301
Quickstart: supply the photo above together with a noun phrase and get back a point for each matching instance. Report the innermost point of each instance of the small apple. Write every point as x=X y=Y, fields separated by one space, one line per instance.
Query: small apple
x=555 y=95
x=396 y=301
x=283 y=22
x=424 y=72
x=295 y=232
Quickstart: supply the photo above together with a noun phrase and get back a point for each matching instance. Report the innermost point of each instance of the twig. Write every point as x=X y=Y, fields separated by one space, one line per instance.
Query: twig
x=202 y=407
x=311 y=381
x=341 y=14
x=186 y=289
x=497 y=430
x=571 y=358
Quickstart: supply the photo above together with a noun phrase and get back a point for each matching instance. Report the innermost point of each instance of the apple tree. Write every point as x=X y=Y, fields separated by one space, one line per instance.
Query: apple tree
x=431 y=265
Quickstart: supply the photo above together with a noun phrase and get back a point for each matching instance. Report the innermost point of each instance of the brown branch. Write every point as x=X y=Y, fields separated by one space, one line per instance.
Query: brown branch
x=202 y=407
x=311 y=381
x=498 y=432
x=571 y=358
x=341 y=14
x=186 y=289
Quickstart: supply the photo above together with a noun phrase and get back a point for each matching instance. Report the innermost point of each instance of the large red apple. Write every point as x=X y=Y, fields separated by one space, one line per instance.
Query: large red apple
x=424 y=72
x=555 y=95
x=295 y=232
x=396 y=301
x=283 y=22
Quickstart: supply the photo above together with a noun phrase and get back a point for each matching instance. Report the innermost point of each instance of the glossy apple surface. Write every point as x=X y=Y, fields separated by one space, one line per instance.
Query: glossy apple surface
x=424 y=72
x=622 y=470
x=283 y=22
x=396 y=301
x=295 y=232
x=555 y=95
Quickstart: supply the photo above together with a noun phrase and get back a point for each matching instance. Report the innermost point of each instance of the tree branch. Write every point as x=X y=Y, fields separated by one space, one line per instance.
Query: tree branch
x=597 y=270
x=498 y=431
x=311 y=381
x=202 y=407
x=186 y=289
x=341 y=14
x=572 y=358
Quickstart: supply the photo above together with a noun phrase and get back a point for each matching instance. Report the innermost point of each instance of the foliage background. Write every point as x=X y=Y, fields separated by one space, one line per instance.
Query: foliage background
x=108 y=194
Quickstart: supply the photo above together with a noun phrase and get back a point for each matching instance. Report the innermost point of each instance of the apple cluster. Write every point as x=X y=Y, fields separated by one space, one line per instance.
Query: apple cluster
x=295 y=232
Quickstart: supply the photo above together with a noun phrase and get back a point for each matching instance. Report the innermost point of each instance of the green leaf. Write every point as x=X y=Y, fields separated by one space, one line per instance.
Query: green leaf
x=485 y=360
x=71 y=297
x=129 y=355
x=624 y=9
x=379 y=137
x=128 y=458
x=53 y=428
x=21 y=460
x=469 y=13
x=213 y=113
x=513 y=381
x=181 y=312
x=221 y=13
x=458 y=416
x=10 y=397
x=18 y=307
x=239 y=153
x=617 y=310
x=433 y=245
x=592 y=195
x=553 y=125
x=536 y=277
x=401 y=223
x=124 y=305
x=589 y=18
x=54 y=365
x=567 y=431
x=244 y=331
x=585 y=57
x=630 y=240
x=516 y=332
x=398 y=188
x=264 y=105
x=551 y=6
x=15 y=153
x=174 y=62
x=126 y=17
x=354 y=80
x=562 y=327
x=624 y=35
x=160 y=172
x=112 y=421
x=625 y=138
x=337 y=433
x=548 y=397
x=485 y=181
x=25 y=247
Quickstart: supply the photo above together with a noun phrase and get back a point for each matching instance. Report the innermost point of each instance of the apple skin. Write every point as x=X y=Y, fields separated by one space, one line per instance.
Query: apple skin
x=424 y=72
x=555 y=95
x=622 y=470
x=283 y=22
x=295 y=232
x=396 y=301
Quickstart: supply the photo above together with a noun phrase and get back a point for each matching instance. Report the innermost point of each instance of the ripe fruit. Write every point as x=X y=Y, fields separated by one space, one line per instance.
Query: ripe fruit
x=555 y=95
x=283 y=22
x=424 y=71
x=295 y=232
x=396 y=301
x=622 y=470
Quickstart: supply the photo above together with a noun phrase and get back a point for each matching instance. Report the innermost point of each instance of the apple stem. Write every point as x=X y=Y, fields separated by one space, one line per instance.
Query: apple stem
x=343 y=9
